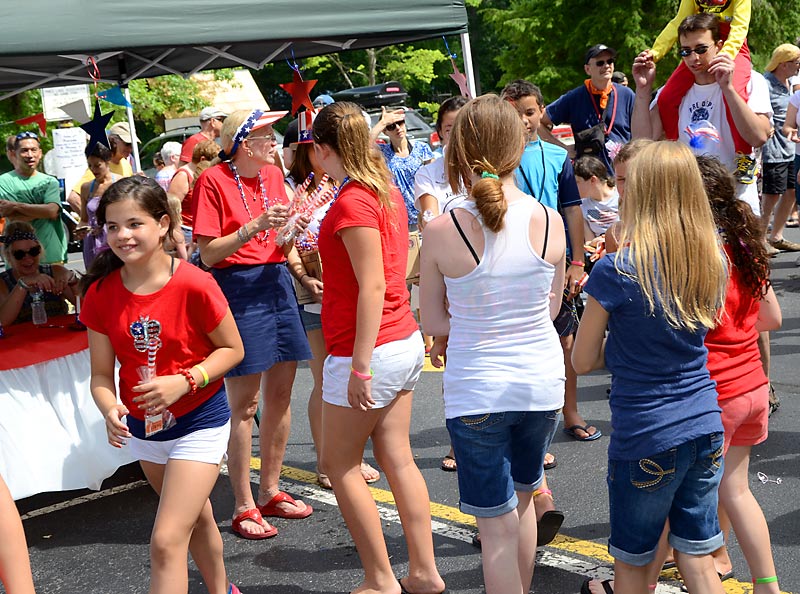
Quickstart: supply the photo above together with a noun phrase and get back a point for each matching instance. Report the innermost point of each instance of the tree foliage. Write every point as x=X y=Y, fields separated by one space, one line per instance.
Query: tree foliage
x=545 y=40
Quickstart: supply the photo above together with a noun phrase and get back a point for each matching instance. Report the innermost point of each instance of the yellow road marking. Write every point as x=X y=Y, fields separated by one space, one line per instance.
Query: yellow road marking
x=584 y=548
x=429 y=367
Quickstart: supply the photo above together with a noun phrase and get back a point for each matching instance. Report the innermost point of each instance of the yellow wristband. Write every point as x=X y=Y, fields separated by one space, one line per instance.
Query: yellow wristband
x=204 y=373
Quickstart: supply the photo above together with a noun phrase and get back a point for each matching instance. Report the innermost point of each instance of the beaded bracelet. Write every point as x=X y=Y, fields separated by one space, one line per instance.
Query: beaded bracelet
x=242 y=234
x=361 y=376
x=189 y=378
x=204 y=373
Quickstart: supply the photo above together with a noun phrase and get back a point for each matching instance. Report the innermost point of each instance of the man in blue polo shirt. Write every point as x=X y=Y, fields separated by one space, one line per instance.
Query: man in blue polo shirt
x=597 y=99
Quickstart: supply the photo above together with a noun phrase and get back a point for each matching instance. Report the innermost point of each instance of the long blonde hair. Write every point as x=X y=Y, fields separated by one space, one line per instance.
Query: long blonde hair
x=673 y=250
x=487 y=139
x=342 y=127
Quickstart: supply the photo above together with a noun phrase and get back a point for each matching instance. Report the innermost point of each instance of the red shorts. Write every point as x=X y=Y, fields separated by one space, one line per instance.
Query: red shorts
x=744 y=417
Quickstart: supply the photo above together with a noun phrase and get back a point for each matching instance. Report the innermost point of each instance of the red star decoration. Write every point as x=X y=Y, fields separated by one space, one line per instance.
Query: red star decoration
x=299 y=89
x=461 y=80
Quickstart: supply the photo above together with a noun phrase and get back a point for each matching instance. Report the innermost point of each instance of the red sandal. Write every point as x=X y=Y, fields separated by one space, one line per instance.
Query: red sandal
x=255 y=516
x=272 y=510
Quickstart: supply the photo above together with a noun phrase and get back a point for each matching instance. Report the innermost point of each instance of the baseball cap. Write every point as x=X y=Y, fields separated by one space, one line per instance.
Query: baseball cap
x=209 y=113
x=122 y=130
x=785 y=52
x=598 y=49
x=322 y=101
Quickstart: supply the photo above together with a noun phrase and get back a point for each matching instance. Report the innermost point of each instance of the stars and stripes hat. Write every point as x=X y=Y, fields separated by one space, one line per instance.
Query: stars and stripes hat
x=257 y=119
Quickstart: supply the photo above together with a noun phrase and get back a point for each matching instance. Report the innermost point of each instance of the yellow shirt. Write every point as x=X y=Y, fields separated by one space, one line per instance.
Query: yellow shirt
x=735 y=12
x=122 y=169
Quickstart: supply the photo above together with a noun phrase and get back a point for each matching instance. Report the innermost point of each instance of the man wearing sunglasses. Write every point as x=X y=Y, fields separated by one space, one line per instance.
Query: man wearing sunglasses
x=711 y=106
x=26 y=194
x=598 y=102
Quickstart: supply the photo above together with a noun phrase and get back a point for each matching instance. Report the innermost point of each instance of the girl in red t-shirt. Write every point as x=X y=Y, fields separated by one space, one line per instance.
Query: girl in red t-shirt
x=376 y=351
x=735 y=364
x=169 y=326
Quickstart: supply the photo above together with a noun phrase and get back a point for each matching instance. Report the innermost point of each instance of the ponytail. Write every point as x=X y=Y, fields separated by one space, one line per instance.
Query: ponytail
x=490 y=201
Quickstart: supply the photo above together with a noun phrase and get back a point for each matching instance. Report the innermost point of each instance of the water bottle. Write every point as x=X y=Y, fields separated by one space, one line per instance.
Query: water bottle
x=39 y=314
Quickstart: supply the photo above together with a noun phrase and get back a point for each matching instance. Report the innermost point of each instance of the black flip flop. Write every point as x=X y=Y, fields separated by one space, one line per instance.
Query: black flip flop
x=404 y=591
x=607 y=588
x=548 y=526
x=449 y=468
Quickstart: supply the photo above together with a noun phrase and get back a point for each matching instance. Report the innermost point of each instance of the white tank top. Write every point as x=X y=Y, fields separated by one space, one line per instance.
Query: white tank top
x=503 y=352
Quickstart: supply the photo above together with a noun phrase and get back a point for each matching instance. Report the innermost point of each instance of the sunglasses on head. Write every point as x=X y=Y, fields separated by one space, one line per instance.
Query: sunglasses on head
x=24 y=135
x=685 y=52
x=33 y=252
x=393 y=126
x=601 y=63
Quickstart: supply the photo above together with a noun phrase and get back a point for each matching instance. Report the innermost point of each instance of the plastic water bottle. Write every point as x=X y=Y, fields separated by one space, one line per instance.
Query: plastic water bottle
x=39 y=314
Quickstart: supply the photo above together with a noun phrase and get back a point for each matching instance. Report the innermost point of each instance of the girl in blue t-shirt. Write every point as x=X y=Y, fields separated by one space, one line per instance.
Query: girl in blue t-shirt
x=658 y=296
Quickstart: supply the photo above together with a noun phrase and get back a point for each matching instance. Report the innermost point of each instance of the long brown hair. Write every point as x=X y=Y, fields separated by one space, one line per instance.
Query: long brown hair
x=487 y=139
x=739 y=225
x=342 y=127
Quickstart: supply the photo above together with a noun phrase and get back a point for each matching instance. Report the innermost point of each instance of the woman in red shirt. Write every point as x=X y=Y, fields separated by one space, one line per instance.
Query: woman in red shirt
x=237 y=204
x=376 y=351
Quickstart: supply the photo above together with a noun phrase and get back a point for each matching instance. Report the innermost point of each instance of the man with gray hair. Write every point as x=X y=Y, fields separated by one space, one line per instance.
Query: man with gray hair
x=171 y=154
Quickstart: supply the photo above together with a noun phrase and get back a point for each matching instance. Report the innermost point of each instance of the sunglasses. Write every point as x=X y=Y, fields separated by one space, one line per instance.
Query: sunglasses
x=220 y=118
x=267 y=137
x=392 y=127
x=33 y=252
x=601 y=63
x=24 y=135
x=685 y=52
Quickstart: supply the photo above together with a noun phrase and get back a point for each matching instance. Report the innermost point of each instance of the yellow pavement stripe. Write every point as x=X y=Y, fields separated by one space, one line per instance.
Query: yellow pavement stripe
x=585 y=548
x=429 y=367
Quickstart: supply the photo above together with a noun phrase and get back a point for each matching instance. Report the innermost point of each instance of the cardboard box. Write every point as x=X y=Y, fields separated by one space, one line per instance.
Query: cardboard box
x=313 y=268
x=412 y=267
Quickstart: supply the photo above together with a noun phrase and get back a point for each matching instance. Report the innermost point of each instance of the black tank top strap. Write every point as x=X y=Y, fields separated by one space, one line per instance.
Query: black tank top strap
x=464 y=237
x=546 y=229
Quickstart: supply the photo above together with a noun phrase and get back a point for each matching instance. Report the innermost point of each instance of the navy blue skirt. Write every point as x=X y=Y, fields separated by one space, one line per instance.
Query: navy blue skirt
x=264 y=306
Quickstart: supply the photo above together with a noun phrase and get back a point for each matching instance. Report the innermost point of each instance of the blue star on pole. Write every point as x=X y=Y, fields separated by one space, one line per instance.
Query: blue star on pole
x=299 y=89
x=96 y=128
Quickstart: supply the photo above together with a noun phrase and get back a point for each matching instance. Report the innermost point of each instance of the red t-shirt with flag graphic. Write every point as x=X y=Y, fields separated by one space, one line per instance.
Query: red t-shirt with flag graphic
x=180 y=315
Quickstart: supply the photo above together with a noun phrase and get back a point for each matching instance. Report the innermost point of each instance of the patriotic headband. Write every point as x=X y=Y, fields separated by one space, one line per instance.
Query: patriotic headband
x=257 y=119
x=18 y=236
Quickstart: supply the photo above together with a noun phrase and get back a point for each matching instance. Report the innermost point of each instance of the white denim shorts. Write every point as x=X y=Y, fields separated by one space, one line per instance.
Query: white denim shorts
x=395 y=365
x=204 y=445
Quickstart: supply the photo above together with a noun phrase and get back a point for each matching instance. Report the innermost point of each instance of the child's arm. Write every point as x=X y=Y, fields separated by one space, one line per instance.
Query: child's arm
x=667 y=38
x=588 y=352
x=739 y=27
x=15 y=566
x=769 y=313
x=104 y=389
x=158 y=394
x=432 y=290
x=588 y=234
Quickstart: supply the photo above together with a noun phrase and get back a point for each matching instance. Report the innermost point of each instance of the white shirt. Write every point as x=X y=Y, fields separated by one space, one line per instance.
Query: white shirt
x=432 y=179
x=704 y=104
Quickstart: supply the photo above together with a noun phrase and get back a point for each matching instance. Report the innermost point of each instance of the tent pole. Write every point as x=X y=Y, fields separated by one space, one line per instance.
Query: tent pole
x=136 y=163
x=468 y=69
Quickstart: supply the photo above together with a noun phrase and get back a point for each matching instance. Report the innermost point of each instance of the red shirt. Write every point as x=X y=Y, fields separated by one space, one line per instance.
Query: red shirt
x=188 y=146
x=219 y=210
x=188 y=308
x=358 y=207
x=734 y=360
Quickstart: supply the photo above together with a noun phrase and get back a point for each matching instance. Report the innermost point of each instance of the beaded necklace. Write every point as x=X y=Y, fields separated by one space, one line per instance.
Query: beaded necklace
x=262 y=239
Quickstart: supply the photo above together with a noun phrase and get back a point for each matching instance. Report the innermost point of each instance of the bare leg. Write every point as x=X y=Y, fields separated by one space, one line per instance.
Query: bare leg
x=698 y=573
x=243 y=394
x=184 y=522
x=15 y=566
x=345 y=432
x=393 y=452
x=500 y=553
x=276 y=422
x=746 y=517
x=782 y=211
x=317 y=343
x=571 y=415
x=768 y=202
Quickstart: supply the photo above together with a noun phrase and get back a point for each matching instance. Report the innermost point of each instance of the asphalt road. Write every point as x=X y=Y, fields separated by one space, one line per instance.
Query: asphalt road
x=97 y=542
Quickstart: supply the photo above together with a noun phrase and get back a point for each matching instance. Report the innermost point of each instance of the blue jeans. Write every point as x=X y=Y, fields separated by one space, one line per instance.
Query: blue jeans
x=681 y=485
x=498 y=454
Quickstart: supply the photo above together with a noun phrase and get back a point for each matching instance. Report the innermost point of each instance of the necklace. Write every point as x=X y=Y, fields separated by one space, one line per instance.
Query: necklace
x=262 y=236
x=336 y=193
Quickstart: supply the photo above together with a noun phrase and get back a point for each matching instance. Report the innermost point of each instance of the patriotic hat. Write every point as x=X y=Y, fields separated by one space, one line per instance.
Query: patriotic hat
x=305 y=122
